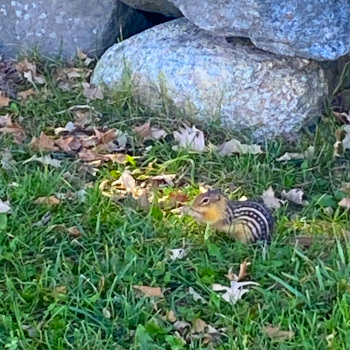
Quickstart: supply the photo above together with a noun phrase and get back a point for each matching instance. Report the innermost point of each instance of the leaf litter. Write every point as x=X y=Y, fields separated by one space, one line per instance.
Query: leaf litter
x=149 y=291
x=4 y=207
x=307 y=154
x=236 y=290
x=7 y=126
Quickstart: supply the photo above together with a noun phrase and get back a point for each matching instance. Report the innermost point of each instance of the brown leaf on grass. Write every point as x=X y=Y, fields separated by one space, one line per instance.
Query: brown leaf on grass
x=170 y=316
x=277 y=334
x=270 y=200
x=345 y=202
x=23 y=95
x=199 y=326
x=60 y=290
x=92 y=92
x=179 y=197
x=51 y=200
x=105 y=137
x=87 y=155
x=236 y=147
x=146 y=131
x=43 y=143
x=117 y=158
x=71 y=73
x=4 y=101
x=81 y=55
x=167 y=178
x=243 y=267
x=25 y=65
x=64 y=143
x=82 y=117
x=73 y=231
x=9 y=127
x=28 y=69
x=149 y=291
x=128 y=181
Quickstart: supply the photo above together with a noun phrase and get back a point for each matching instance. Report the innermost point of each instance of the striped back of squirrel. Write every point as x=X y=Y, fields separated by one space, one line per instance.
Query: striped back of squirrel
x=253 y=217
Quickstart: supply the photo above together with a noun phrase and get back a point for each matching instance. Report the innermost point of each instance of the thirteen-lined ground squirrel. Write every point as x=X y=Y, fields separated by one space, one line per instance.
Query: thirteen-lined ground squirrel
x=246 y=221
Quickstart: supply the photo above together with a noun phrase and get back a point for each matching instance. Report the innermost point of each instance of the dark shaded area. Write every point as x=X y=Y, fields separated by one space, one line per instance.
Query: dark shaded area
x=155 y=18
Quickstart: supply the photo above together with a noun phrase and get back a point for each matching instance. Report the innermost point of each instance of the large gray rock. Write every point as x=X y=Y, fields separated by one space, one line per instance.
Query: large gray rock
x=317 y=29
x=211 y=78
x=59 y=27
x=160 y=6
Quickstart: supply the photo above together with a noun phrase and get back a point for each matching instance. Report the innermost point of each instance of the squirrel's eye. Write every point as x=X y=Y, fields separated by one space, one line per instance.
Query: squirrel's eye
x=205 y=200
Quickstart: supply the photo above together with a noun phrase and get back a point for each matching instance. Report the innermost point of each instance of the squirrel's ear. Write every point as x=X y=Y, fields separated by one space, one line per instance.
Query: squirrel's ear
x=217 y=198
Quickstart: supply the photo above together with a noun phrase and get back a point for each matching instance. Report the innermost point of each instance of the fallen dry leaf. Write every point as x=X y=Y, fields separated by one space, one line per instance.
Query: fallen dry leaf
x=4 y=101
x=7 y=161
x=236 y=147
x=51 y=200
x=190 y=138
x=234 y=292
x=43 y=143
x=46 y=160
x=106 y=313
x=4 y=207
x=146 y=131
x=61 y=290
x=181 y=326
x=23 y=95
x=177 y=253
x=199 y=326
x=343 y=117
x=71 y=73
x=295 y=196
x=92 y=92
x=9 y=127
x=196 y=296
x=74 y=232
x=277 y=334
x=82 y=117
x=346 y=140
x=150 y=291
x=64 y=143
x=28 y=69
x=243 y=267
x=25 y=65
x=128 y=181
x=170 y=316
x=69 y=127
x=270 y=200
x=81 y=55
x=345 y=202
x=309 y=153
x=338 y=149
x=179 y=197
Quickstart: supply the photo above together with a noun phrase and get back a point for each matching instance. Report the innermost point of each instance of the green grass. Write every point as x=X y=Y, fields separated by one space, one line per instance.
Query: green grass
x=55 y=290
